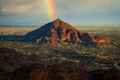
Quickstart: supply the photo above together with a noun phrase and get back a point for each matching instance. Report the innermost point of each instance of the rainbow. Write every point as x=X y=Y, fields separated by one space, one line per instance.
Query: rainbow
x=51 y=9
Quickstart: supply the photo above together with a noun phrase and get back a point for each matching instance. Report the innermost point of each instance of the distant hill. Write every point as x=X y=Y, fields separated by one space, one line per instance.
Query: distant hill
x=14 y=30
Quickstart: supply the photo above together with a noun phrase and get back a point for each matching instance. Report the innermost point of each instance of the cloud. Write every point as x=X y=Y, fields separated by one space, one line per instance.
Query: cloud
x=23 y=6
x=16 y=8
x=63 y=6
x=75 y=9
x=35 y=11
x=85 y=5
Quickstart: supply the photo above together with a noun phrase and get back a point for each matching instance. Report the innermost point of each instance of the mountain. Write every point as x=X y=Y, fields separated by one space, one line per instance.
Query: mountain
x=56 y=32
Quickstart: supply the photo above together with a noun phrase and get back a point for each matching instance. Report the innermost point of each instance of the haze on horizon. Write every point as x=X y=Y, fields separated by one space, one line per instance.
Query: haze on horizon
x=77 y=12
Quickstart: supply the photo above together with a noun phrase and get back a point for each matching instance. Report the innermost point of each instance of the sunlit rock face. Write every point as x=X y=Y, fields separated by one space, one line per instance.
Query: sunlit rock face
x=62 y=32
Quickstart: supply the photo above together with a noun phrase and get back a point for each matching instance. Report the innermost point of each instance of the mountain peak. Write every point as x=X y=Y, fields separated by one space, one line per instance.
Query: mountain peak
x=57 y=22
x=60 y=23
x=58 y=19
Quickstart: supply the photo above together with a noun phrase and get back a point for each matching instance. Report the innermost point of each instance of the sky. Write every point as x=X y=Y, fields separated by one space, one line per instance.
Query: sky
x=76 y=12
